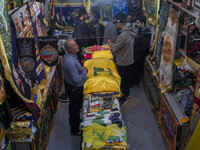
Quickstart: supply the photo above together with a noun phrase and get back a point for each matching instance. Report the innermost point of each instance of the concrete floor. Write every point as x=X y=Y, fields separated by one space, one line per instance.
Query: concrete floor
x=143 y=132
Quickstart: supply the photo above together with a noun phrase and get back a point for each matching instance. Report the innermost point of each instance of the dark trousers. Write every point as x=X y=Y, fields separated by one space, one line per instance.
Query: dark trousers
x=75 y=95
x=125 y=74
x=137 y=69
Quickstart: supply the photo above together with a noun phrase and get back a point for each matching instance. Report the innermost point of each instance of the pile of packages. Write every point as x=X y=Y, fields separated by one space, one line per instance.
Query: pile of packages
x=102 y=123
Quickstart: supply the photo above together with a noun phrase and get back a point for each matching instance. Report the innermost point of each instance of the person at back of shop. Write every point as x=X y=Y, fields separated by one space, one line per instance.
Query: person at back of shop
x=123 y=52
x=141 y=49
x=111 y=32
x=75 y=77
x=81 y=32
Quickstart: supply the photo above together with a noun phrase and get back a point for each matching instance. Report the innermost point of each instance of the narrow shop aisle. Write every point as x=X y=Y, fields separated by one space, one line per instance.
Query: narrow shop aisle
x=142 y=129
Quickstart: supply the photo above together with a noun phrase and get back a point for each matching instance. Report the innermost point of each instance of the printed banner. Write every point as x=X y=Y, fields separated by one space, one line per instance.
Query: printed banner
x=162 y=23
x=193 y=46
x=151 y=10
x=48 y=47
x=168 y=51
x=120 y=6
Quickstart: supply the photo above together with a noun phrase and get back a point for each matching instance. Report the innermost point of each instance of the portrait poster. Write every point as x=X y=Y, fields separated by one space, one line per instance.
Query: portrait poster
x=193 y=46
x=48 y=47
x=5 y=33
x=65 y=17
x=151 y=10
x=120 y=6
x=168 y=51
x=135 y=7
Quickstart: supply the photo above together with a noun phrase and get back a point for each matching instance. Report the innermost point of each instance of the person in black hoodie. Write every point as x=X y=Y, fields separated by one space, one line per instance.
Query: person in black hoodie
x=81 y=32
x=141 y=48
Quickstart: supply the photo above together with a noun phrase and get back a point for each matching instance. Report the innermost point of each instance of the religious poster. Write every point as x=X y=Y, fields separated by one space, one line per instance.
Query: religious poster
x=106 y=12
x=135 y=7
x=168 y=51
x=161 y=28
x=48 y=47
x=151 y=10
x=120 y=6
x=65 y=17
x=193 y=46
x=22 y=21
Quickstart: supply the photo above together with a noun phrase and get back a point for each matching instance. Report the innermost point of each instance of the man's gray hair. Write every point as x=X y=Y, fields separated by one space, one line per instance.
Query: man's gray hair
x=67 y=44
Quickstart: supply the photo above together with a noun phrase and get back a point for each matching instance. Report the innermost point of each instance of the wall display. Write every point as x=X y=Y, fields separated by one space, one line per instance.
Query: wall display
x=193 y=46
x=161 y=28
x=168 y=122
x=120 y=5
x=106 y=10
x=48 y=50
x=65 y=17
x=168 y=51
x=5 y=32
x=135 y=7
x=151 y=9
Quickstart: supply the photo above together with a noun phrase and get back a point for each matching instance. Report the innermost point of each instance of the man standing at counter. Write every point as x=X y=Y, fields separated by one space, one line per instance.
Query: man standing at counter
x=75 y=77
x=123 y=52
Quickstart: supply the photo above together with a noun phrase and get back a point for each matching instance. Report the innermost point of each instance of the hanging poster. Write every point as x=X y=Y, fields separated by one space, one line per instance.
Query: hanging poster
x=48 y=47
x=151 y=10
x=5 y=33
x=135 y=7
x=106 y=12
x=168 y=51
x=120 y=6
x=22 y=21
x=193 y=46
x=65 y=17
x=161 y=28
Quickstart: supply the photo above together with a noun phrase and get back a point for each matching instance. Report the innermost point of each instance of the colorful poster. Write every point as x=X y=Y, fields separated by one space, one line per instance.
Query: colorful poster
x=65 y=17
x=168 y=51
x=48 y=47
x=120 y=6
x=151 y=10
x=193 y=46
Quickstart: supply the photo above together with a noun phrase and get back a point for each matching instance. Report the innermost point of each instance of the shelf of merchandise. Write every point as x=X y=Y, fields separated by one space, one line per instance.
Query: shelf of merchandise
x=193 y=13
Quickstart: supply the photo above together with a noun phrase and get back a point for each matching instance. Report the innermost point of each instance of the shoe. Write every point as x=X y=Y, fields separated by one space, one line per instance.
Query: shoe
x=64 y=98
x=78 y=133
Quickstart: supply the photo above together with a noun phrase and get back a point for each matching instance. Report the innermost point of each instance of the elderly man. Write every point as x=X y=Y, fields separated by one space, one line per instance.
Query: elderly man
x=75 y=76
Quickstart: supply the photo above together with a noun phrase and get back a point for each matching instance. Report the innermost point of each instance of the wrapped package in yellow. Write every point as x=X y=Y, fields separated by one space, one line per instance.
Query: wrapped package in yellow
x=102 y=76
x=102 y=54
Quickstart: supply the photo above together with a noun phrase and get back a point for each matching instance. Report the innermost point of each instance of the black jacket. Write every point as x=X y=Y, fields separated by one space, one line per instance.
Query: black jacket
x=142 y=43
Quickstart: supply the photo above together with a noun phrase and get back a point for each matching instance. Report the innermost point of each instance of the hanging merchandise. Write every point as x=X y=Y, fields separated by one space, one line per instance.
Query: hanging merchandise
x=168 y=51
x=193 y=46
x=48 y=50
x=151 y=9
x=102 y=76
x=87 y=5
x=161 y=28
x=135 y=7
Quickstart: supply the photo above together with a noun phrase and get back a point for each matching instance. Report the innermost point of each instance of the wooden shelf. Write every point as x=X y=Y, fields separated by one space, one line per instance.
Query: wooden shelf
x=193 y=13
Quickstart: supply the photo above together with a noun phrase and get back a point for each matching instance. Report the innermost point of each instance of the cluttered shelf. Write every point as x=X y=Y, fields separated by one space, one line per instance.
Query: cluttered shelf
x=193 y=13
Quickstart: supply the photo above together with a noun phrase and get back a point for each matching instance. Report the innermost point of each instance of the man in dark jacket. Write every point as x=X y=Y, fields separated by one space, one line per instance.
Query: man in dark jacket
x=141 y=48
x=81 y=32
x=123 y=52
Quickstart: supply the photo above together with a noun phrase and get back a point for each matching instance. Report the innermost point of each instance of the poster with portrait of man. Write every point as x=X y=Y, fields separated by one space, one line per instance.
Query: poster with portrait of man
x=168 y=51
x=22 y=21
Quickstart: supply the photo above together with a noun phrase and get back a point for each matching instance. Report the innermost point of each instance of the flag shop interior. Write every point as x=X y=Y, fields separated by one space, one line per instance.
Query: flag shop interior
x=99 y=74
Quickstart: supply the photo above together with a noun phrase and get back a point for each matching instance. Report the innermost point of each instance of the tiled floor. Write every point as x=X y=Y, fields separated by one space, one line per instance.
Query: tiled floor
x=142 y=129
